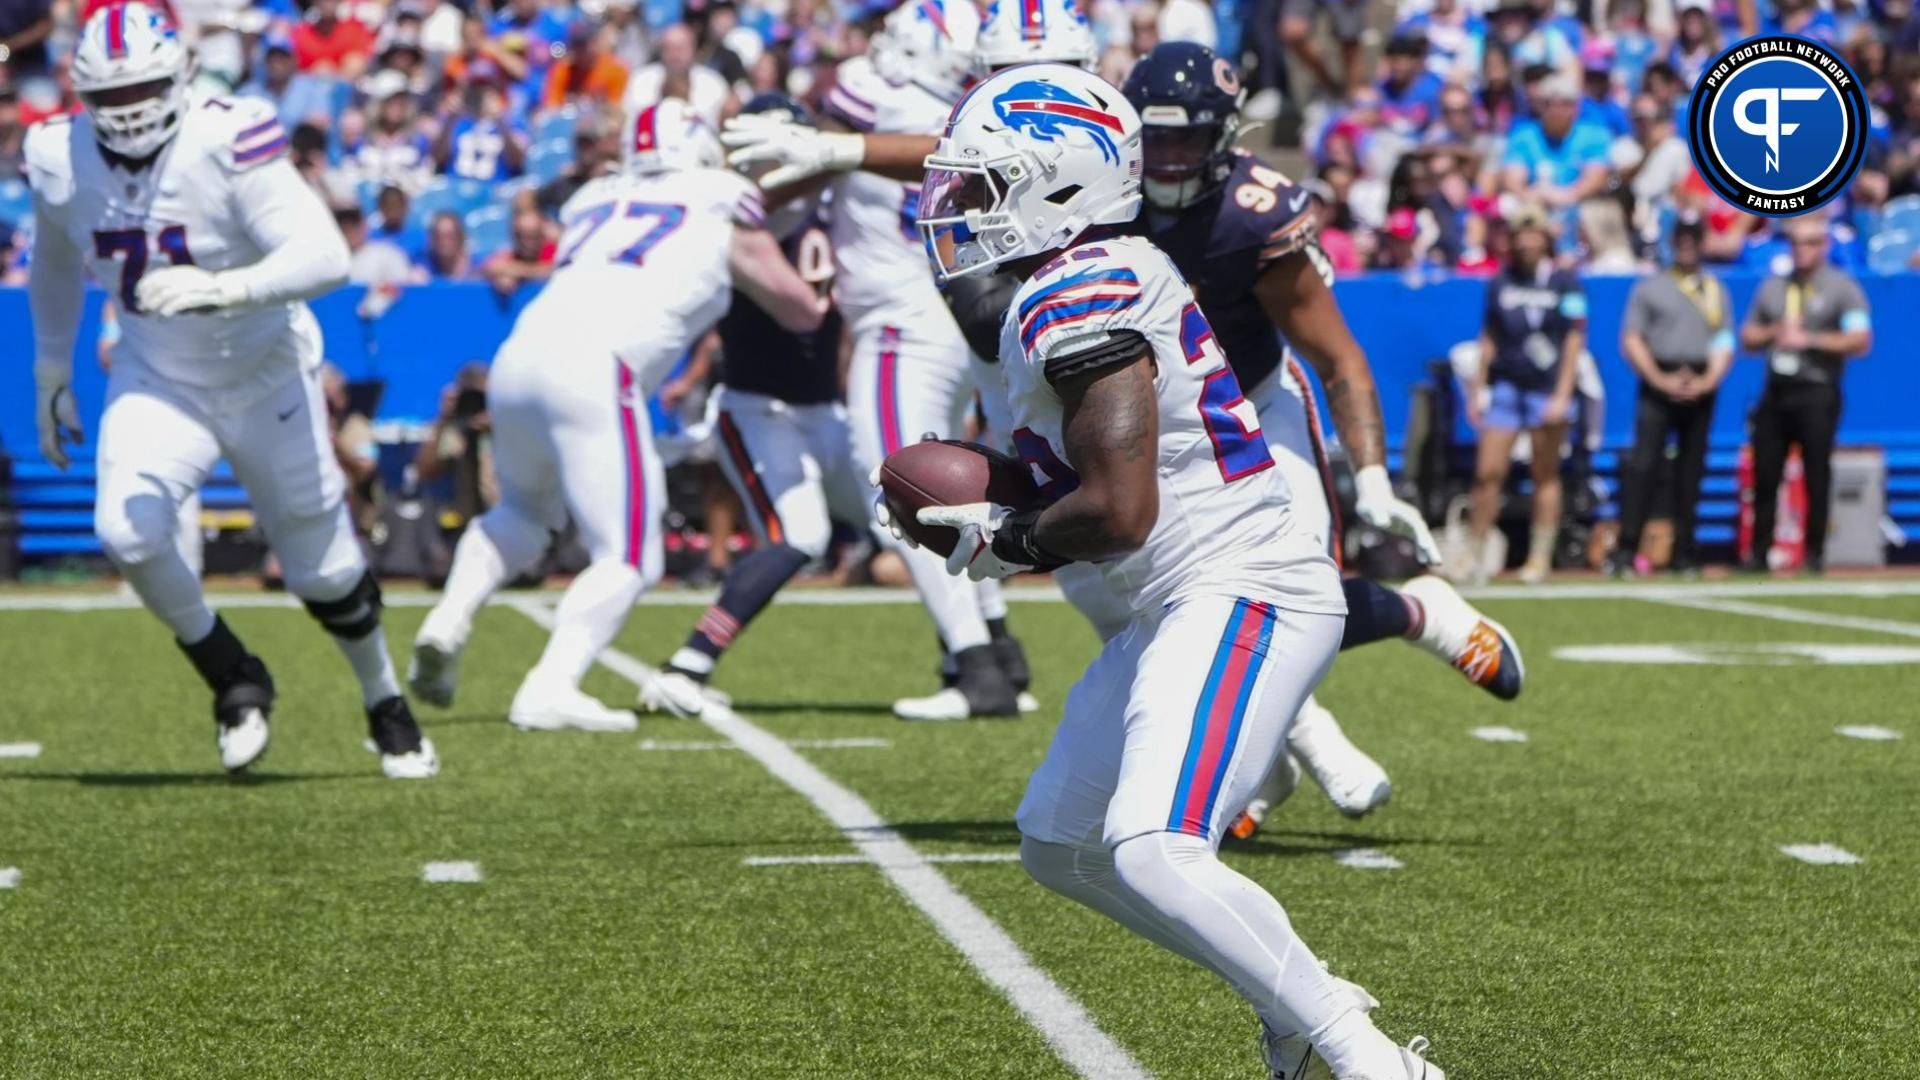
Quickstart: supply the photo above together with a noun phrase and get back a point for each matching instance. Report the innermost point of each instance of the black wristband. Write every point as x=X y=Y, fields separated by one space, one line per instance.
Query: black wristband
x=1015 y=542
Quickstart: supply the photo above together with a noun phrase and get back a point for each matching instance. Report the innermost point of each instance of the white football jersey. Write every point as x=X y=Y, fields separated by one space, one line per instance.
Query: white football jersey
x=642 y=266
x=1224 y=525
x=220 y=195
x=881 y=259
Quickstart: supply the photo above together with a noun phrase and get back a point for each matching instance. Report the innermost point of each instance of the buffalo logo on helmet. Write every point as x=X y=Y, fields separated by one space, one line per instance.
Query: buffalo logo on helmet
x=1046 y=112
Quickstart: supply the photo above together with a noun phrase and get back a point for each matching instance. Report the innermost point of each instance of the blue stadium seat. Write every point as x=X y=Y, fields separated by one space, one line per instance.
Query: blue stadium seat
x=488 y=230
x=506 y=191
x=558 y=124
x=461 y=197
x=16 y=202
x=549 y=159
x=1890 y=250
x=1901 y=213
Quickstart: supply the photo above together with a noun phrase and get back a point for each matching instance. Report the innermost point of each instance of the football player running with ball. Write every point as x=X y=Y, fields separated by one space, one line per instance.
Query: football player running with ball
x=189 y=212
x=644 y=267
x=1122 y=399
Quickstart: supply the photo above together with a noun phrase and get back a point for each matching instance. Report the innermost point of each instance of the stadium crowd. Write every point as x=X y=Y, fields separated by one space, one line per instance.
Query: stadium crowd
x=447 y=135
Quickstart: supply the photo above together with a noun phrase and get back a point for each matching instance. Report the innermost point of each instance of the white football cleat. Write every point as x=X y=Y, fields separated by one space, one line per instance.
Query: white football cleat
x=538 y=707
x=434 y=673
x=1475 y=645
x=1028 y=703
x=244 y=741
x=1281 y=780
x=1353 y=782
x=1414 y=1057
x=421 y=764
x=675 y=692
x=946 y=704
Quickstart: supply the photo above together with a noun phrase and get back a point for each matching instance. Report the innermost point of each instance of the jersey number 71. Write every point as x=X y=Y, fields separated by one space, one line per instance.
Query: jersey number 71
x=132 y=250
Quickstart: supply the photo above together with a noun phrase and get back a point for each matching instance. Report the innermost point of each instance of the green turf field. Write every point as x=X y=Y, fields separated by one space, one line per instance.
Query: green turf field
x=1606 y=899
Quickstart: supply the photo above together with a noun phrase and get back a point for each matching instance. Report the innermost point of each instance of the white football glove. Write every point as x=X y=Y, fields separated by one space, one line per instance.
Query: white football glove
x=973 y=555
x=59 y=421
x=796 y=151
x=882 y=514
x=176 y=290
x=1376 y=504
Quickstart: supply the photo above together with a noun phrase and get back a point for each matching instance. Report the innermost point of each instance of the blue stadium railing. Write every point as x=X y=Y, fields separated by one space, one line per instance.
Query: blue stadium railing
x=1405 y=326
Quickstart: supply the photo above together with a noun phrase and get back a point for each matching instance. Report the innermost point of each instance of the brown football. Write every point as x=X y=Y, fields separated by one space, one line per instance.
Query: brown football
x=947 y=472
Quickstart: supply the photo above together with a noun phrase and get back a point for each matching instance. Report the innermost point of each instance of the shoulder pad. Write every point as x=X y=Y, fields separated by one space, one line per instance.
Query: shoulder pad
x=1077 y=294
x=856 y=95
x=1263 y=209
x=243 y=133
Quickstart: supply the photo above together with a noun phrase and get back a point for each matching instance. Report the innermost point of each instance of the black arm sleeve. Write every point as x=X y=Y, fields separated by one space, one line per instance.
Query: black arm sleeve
x=979 y=303
x=1120 y=347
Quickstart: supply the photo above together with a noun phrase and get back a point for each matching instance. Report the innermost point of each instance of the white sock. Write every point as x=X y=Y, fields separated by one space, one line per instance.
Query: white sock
x=692 y=660
x=497 y=546
x=992 y=598
x=372 y=665
x=1355 y=1048
x=951 y=600
x=590 y=614
x=1232 y=927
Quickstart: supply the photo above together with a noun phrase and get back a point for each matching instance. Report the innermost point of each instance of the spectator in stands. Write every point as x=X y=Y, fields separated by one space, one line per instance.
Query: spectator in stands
x=13 y=135
x=1803 y=18
x=677 y=75
x=1807 y=324
x=1599 y=105
x=588 y=75
x=484 y=59
x=1461 y=128
x=13 y=267
x=1440 y=191
x=1499 y=98
x=528 y=256
x=446 y=257
x=1678 y=336
x=328 y=43
x=1654 y=162
x=1604 y=236
x=1531 y=43
x=1454 y=36
x=541 y=28
x=392 y=152
x=1346 y=22
x=1399 y=245
x=1556 y=158
x=481 y=142
x=375 y=261
x=716 y=28
x=393 y=218
x=1335 y=240
x=399 y=51
x=1696 y=42
x=595 y=149
x=298 y=97
x=1409 y=94
x=1531 y=341
x=459 y=446
x=25 y=26
x=355 y=448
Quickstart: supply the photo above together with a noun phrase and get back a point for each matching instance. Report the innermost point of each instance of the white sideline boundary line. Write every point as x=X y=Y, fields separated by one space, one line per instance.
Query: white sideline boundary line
x=867 y=860
x=1796 y=615
x=1032 y=593
x=797 y=744
x=1061 y=1020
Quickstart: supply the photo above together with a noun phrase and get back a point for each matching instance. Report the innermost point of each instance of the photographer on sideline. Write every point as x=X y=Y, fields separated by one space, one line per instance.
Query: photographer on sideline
x=460 y=444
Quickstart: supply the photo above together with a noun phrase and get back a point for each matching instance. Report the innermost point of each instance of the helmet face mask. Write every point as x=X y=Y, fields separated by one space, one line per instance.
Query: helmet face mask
x=928 y=43
x=130 y=71
x=1033 y=157
x=1184 y=162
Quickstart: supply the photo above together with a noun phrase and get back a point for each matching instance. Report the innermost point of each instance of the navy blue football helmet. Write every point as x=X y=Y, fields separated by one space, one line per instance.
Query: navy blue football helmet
x=777 y=103
x=1189 y=101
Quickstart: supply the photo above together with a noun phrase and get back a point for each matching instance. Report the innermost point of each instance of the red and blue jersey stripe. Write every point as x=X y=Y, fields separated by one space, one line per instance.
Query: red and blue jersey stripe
x=1219 y=716
x=1075 y=298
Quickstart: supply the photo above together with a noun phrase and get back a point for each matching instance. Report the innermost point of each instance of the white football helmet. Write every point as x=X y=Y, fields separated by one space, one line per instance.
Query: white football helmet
x=667 y=137
x=928 y=43
x=130 y=71
x=1034 y=31
x=1032 y=158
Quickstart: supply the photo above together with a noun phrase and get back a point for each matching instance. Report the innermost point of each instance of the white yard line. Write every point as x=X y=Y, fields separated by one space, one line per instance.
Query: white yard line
x=1869 y=732
x=1820 y=854
x=1061 y=1020
x=443 y=872
x=1793 y=615
x=1367 y=859
x=798 y=744
x=866 y=860
x=1035 y=592
x=1498 y=734
x=9 y=877
x=19 y=750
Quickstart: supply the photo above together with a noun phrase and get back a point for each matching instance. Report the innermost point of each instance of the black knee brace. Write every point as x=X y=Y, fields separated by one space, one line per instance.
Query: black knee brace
x=354 y=615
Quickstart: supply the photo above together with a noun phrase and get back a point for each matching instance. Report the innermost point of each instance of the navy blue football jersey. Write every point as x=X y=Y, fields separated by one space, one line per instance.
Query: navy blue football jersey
x=1223 y=243
x=1528 y=317
x=760 y=356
